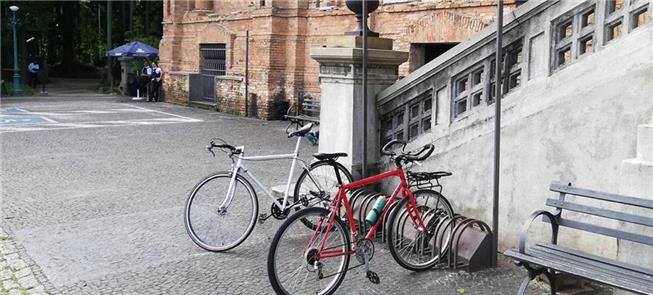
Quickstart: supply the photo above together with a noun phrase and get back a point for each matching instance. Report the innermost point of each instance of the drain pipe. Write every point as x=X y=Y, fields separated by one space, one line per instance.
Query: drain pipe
x=364 y=159
x=497 y=134
x=247 y=73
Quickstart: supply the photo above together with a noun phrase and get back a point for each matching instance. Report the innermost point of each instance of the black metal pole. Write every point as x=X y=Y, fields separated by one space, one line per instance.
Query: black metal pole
x=109 y=16
x=497 y=133
x=364 y=155
x=247 y=73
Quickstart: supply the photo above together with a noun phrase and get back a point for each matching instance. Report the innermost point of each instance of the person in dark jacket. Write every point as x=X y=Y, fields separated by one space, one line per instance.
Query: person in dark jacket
x=155 y=82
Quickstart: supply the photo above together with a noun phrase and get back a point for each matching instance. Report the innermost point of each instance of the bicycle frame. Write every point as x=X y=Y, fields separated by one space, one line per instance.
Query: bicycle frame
x=341 y=198
x=239 y=166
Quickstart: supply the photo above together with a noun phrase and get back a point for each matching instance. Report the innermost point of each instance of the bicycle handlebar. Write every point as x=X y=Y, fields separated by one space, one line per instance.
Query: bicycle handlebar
x=385 y=149
x=232 y=149
x=429 y=148
x=411 y=156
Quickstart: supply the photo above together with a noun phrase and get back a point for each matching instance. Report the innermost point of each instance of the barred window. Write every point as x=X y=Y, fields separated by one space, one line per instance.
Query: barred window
x=578 y=38
x=477 y=84
x=410 y=120
x=468 y=89
x=213 y=59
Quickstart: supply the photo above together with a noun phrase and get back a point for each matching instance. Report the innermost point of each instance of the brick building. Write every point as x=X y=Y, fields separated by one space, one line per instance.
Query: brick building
x=202 y=51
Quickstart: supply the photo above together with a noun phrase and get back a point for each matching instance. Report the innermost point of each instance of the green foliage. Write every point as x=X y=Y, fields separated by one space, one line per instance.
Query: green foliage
x=27 y=91
x=46 y=21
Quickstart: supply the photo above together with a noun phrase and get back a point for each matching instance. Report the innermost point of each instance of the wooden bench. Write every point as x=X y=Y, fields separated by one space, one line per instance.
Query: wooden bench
x=307 y=111
x=549 y=258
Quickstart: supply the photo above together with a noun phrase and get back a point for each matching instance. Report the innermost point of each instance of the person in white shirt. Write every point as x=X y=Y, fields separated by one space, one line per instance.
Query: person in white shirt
x=155 y=80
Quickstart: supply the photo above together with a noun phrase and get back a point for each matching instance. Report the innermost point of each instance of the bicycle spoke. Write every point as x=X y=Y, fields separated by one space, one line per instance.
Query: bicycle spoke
x=209 y=226
x=294 y=263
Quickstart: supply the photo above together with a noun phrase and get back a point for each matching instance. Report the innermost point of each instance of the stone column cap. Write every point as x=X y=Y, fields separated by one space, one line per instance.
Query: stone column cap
x=357 y=42
x=355 y=56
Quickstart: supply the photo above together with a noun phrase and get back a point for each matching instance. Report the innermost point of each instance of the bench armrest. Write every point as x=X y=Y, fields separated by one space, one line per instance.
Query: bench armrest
x=524 y=230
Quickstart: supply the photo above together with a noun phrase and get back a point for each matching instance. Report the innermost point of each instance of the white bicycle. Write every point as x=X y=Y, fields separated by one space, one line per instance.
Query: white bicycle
x=222 y=209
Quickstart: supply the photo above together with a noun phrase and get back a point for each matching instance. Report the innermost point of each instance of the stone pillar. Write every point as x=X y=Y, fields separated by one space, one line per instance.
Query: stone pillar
x=203 y=4
x=635 y=180
x=125 y=67
x=341 y=102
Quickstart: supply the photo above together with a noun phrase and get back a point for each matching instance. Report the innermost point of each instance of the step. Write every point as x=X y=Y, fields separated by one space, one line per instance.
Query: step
x=207 y=105
x=645 y=142
x=635 y=178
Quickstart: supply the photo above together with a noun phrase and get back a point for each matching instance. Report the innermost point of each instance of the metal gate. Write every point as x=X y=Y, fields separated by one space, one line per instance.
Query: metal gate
x=201 y=88
x=212 y=63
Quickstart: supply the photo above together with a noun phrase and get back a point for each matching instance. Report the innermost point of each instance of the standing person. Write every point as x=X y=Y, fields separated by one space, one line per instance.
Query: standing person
x=155 y=82
x=145 y=79
x=33 y=70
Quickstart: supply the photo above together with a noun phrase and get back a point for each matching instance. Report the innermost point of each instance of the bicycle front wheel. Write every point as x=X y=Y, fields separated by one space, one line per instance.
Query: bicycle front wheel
x=213 y=222
x=316 y=186
x=293 y=265
x=411 y=248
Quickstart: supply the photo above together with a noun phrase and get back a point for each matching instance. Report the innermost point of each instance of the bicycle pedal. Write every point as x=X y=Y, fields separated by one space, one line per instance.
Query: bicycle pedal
x=262 y=218
x=373 y=277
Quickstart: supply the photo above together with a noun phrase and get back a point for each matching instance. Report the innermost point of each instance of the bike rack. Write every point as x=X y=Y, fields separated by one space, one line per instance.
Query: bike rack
x=467 y=243
x=462 y=242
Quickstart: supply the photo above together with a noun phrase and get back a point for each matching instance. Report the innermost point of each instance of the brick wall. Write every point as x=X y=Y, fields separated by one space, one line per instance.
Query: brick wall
x=176 y=88
x=283 y=31
x=230 y=92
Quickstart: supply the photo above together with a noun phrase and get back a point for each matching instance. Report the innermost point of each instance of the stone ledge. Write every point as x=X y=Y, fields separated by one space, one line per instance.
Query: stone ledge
x=357 y=42
x=181 y=73
x=229 y=77
x=355 y=56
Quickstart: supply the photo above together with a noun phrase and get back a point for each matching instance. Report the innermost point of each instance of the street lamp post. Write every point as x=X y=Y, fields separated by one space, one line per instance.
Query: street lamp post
x=14 y=21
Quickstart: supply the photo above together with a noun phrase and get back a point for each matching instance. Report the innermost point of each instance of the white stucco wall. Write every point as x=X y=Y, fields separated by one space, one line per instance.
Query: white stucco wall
x=575 y=125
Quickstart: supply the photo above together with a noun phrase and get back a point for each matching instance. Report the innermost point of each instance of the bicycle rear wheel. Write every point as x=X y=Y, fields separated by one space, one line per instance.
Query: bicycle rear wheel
x=292 y=265
x=414 y=249
x=316 y=186
x=219 y=229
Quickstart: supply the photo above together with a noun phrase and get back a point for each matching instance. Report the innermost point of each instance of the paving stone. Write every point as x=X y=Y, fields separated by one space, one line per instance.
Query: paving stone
x=14 y=292
x=23 y=272
x=37 y=289
x=17 y=264
x=28 y=282
x=8 y=249
x=9 y=284
x=5 y=274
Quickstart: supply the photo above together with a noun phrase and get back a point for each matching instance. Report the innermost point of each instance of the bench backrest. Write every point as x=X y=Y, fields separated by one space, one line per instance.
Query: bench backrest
x=310 y=106
x=618 y=213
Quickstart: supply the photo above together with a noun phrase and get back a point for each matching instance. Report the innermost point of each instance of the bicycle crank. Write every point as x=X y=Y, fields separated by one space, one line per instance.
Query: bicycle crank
x=364 y=250
x=277 y=212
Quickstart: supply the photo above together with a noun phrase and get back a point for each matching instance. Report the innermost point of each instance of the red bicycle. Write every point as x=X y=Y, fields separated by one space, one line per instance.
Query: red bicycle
x=314 y=259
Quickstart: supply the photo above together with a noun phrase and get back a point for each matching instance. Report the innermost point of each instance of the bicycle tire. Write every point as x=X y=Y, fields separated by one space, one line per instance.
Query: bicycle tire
x=423 y=240
x=196 y=232
x=339 y=227
x=305 y=183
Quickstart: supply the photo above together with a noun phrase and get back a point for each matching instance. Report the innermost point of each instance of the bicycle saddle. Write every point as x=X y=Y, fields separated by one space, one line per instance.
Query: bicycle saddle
x=329 y=156
x=301 y=131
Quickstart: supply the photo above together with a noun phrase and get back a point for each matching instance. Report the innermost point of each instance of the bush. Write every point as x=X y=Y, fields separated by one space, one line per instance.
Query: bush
x=8 y=86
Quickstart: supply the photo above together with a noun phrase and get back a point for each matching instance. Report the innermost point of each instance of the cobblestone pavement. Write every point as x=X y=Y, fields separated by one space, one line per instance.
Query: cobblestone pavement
x=96 y=208
x=16 y=275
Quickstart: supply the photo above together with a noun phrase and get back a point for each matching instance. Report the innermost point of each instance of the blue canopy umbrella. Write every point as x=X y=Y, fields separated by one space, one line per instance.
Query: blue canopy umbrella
x=134 y=48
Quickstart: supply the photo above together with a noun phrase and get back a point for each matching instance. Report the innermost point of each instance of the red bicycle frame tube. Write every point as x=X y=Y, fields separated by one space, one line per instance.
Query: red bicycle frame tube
x=341 y=197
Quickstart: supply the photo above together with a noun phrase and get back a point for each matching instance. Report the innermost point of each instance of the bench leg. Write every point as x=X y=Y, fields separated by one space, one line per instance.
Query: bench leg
x=551 y=275
x=533 y=272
